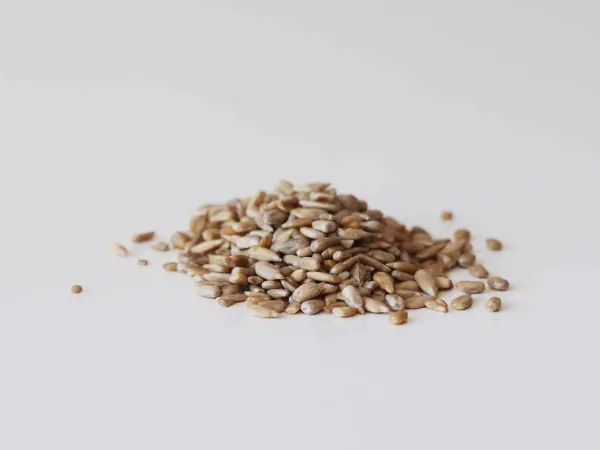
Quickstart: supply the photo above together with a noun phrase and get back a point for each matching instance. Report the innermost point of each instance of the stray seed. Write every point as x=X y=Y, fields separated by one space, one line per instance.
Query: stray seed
x=426 y=281
x=493 y=244
x=143 y=237
x=208 y=290
x=76 y=289
x=478 y=271
x=160 y=246
x=466 y=260
x=447 y=215
x=119 y=249
x=375 y=306
x=462 y=302
x=462 y=233
x=437 y=304
x=398 y=317
x=493 y=304
x=344 y=311
x=498 y=284
x=471 y=287
x=311 y=307
x=142 y=262
x=172 y=267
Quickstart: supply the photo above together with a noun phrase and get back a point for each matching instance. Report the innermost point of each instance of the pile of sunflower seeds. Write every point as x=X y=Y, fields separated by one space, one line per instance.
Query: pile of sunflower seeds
x=306 y=248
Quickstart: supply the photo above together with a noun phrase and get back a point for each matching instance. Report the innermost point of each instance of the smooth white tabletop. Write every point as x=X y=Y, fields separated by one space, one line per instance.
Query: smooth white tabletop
x=125 y=116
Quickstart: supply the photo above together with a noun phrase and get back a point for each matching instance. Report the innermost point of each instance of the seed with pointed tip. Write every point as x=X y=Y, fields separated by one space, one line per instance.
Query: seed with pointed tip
x=385 y=281
x=426 y=281
x=395 y=302
x=143 y=237
x=376 y=306
x=398 y=317
x=307 y=291
x=437 y=304
x=471 y=287
x=311 y=307
x=267 y=271
x=462 y=302
x=493 y=304
x=353 y=298
x=260 y=311
x=416 y=302
x=477 y=270
x=493 y=244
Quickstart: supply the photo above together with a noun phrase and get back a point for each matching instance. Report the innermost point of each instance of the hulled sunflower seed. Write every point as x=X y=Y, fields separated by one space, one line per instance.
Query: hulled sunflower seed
x=172 y=267
x=325 y=226
x=263 y=254
x=324 y=243
x=416 y=302
x=498 y=284
x=311 y=307
x=344 y=311
x=160 y=247
x=404 y=267
x=402 y=276
x=398 y=317
x=119 y=249
x=462 y=302
x=143 y=237
x=477 y=270
x=267 y=271
x=180 y=239
x=447 y=215
x=462 y=233
x=293 y=308
x=444 y=283
x=471 y=287
x=493 y=244
x=298 y=275
x=385 y=281
x=343 y=266
x=466 y=260
x=208 y=291
x=307 y=291
x=305 y=263
x=493 y=304
x=373 y=263
x=375 y=306
x=326 y=277
x=353 y=298
x=395 y=302
x=278 y=293
x=426 y=281
x=261 y=311
x=437 y=304
x=76 y=289
x=275 y=305
x=206 y=247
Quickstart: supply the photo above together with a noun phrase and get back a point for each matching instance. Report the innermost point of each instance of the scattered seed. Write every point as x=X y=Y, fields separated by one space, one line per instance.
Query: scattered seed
x=462 y=302
x=437 y=304
x=160 y=246
x=208 y=291
x=398 y=317
x=466 y=260
x=471 y=287
x=426 y=281
x=172 y=267
x=76 y=289
x=119 y=249
x=493 y=304
x=478 y=271
x=493 y=244
x=447 y=215
x=143 y=237
x=142 y=262
x=498 y=284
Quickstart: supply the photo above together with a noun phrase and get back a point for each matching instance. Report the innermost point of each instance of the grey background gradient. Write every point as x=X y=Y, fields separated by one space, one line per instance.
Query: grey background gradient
x=118 y=116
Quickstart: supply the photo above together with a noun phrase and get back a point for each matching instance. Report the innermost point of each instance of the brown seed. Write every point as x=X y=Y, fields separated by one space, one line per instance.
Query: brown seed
x=462 y=302
x=344 y=311
x=385 y=281
x=179 y=239
x=471 y=287
x=404 y=267
x=382 y=256
x=466 y=260
x=343 y=266
x=298 y=275
x=353 y=234
x=260 y=311
x=437 y=304
x=493 y=244
x=229 y=289
x=430 y=252
x=255 y=280
x=376 y=306
x=172 y=267
x=276 y=305
x=278 y=293
x=477 y=270
x=237 y=261
x=307 y=291
x=498 y=284
x=160 y=247
x=267 y=271
x=311 y=307
x=291 y=246
x=293 y=308
x=324 y=243
x=407 y=286
x=143 y=237
x=416 y=302
x=462 y=233
x=235 y=298
x=326 y=277
x=305 y=263
x=373 y=263
x=402 y=276
x=426 y=281
x=398 y=317
x=212 y=276
x=76 y=289
x=271 y=284
x=208 y=291
x=263 y=254
x=325 y=226
x=493 y=304
x=447 y=215
x=119 y=249
x=142 y=262
x=395 y=302
x=444 y=283
x=353 y=298
x=206 y=247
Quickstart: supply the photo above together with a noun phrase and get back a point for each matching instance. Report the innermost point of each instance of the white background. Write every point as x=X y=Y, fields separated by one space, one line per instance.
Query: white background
x=122 y=116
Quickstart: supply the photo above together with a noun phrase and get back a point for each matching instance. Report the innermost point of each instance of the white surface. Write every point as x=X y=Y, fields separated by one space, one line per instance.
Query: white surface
x=125 y=116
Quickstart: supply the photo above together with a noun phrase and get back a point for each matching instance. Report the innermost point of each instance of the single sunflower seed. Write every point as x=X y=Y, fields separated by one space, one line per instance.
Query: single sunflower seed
x=471 y=287
x=498 y=284
x=143 y=237
x=353 y=298
x=462 y=302
x=426 y=281
x=493 y=304
x=437 y=304
x=311 y=307
x=493 y=244
x=398 y=317
x=477 y=270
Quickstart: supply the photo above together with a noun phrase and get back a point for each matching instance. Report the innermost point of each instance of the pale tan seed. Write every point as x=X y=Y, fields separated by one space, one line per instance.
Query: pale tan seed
x=255 y=280
x=276 y=305
x=353 y=298
x=160 y=246
x=260 y=311
x=179 y=239
x=448 y=261
x=444 y=283
x=426 y=281
x=403 y=266
x=271 y=284
x=493 y=304
x=225 y=303
x=143 y=237
x=398 y=317
x=267 y=271
x=344 y=311
x=462 y=233
x=206 y=247
x=278 y=293
x=209 y=235
x=325 y=226
x=195 y=271
x=402 y=276
x=172 y=267
x=142 y=262
x=498 y=284
x=307 y=291
x=416 y=302
x=230 y=289
x=447 y=215
x=291 y=246
x=343 y=266
x=311 y=233
x=293 y=308
x=345 y=254
x=406 y=293
x=478 y=270
x=217 y=268
x=119 y=249
x=429 y=252
x=344 y=275
x=385 y=281
x=298 y=275
x=263 y=254
x=462 y=302
x=236 y=297
x=329 y=252
x=352 y=234
x=208 y=291
x=471 y=287
x=373 y=263
x=375 y=306
x=256 y=297
x=437 y=304
x=324 y=243
x=466 y=260
x=212 y=276
x=493 y=244
x=322 y=205
x=383 y=256
x=311 y=307
x=326 y=277
x=76 y=289
x=331 y=298
x=298 y=223
x=395 y=302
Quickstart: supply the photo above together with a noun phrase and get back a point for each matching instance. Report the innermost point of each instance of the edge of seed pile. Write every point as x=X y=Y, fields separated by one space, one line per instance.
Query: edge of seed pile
x=306 y=248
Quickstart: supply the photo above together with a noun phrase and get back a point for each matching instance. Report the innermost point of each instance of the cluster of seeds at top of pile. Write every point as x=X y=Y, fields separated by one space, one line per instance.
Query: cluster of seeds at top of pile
x=306 y=248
